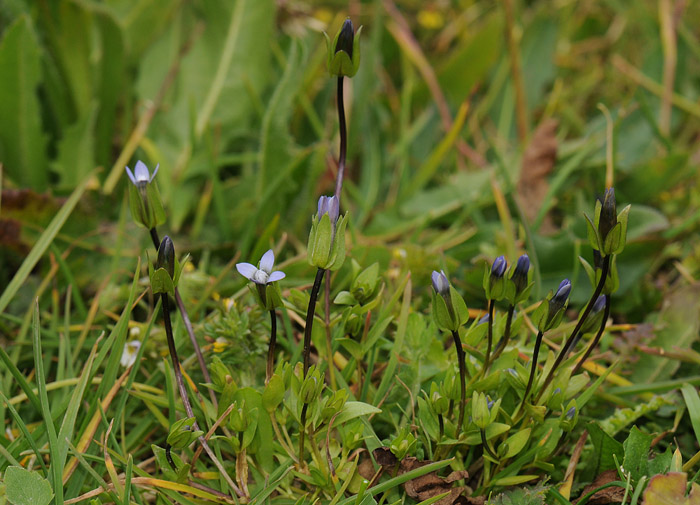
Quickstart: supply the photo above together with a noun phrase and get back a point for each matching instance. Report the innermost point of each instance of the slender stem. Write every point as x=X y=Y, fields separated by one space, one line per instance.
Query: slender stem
x=310 y=318
x=462 y=380
x=441 y=423
x=487 y=358
x=188 y=327
x=271 y=349
x=183 y=391
x=343 y=140
x=606 y=314
x=487 y=447
x=567 y=346
x=506 y=334
x=533 y=368
x=302 y=433
x=329 y=343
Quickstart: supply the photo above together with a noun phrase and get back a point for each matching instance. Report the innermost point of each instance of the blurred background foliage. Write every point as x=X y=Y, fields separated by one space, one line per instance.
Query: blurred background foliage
x=474 y=129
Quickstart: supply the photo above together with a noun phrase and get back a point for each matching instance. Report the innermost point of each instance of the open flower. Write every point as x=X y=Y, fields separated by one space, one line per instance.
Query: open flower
x=264 y=274
x=131 y=349
x=141 y=173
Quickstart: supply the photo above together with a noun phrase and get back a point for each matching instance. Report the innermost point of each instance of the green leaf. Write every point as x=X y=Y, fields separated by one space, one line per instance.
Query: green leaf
x=22 y=143
x=636 y=449
x=692 y=401
x=352 y=410
x=605 y=447
x=26 y=488
x=75 y=151
x=517 y=442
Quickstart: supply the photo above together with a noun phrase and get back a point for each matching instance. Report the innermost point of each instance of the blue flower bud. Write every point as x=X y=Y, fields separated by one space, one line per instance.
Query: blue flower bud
x=571 y=413
x=520 y=273
x=560 y=297
x=328 y=205
x=499 y=267
x=440 y=283
x=484 y=319
x=344 y=51
x=345 y=38
x=608 y=214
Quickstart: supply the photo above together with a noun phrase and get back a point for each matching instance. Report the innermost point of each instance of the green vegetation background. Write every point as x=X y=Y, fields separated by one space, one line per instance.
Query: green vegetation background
x=454 y=156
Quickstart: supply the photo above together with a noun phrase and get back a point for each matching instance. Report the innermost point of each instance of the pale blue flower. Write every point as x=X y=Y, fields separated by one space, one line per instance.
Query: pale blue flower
x=263 y=274
x=141 y=173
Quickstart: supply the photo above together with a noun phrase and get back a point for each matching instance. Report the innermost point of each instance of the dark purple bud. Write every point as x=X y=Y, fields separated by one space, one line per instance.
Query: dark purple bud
x=559 y=299
x=608 y=213
x=345 y=39
x=520 y=273
x=571 y=413
x=440 y=283
x=166 y=256
x=499 y=267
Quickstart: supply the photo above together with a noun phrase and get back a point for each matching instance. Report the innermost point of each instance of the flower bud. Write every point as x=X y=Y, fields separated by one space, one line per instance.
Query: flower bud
x=402 y=444
x=344 y=51
x=519 y=277
x=166 y=256
x=494 y=282
x=481 y=415
x=326 y=246
x=595 y=316
x=550 y=312
x=181 y=434
x=569 y=418
x=449 y=309
x=608 y=214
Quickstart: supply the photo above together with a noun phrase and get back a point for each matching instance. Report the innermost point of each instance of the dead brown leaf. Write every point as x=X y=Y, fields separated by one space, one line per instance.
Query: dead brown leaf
x=428 y=485
x=538 y=161
x=613 y=494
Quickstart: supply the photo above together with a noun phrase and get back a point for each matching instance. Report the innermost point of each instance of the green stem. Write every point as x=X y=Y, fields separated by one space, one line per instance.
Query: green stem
x=310 y=318
x=506 y=334
x=490 y=338
x=533 y=368
x=302 y=432
x=188 y=326
x=462 y=380
x=606 y=314
x=574 y=334
x=271 y=349
x=183 y=391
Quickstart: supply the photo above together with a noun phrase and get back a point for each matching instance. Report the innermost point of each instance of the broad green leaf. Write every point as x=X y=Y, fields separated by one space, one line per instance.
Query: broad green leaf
x=22 y=143
x=351 y=410
x=692 y=401
x=76 y=151
x=24 y=487
x=636 y=449
x=604 y=448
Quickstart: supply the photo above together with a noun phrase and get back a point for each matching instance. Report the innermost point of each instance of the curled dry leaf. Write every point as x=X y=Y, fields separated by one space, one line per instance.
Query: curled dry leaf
x=670 y=488
x=428 y=485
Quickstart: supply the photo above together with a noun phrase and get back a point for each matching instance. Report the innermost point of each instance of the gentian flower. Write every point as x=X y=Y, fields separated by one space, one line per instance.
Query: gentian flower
x=449 y=310
x=144 y=199
x=440 y=283
x=326 y=247
x=550 y=312
x=141 y=174
x=494 y=282
x=344 y=51
x=499 y=267
x=264 y=274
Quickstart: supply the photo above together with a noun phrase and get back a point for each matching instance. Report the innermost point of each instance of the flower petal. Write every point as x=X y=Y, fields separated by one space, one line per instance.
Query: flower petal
x=131 y=175
x=276 y=276
x=154 y=173
x=246 y=270
x=141 y=172
x=267 y=261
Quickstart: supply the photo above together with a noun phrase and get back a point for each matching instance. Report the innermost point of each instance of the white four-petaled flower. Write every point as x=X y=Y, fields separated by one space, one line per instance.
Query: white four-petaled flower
x=264 y=274
x=141 y=173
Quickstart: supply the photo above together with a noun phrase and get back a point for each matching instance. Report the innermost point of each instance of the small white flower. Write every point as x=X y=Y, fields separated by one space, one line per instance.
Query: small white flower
x=131 y=349
x=141 y=173
x=264 y=274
